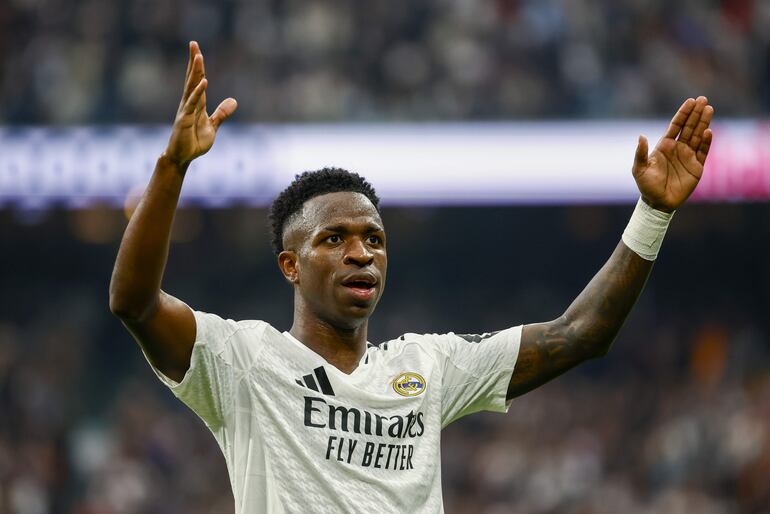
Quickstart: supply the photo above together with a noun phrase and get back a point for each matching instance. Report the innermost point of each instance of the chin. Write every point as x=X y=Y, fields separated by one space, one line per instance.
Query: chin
x=353 y=317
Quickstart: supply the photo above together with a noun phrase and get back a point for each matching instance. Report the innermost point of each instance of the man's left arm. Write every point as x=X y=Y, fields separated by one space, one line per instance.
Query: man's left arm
x=666 y=178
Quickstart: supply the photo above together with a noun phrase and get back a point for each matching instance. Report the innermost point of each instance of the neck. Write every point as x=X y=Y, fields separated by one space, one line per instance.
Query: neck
x=340 y=347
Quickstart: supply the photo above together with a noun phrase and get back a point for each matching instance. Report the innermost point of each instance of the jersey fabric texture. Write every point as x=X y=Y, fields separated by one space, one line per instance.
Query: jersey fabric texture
x=298 y=435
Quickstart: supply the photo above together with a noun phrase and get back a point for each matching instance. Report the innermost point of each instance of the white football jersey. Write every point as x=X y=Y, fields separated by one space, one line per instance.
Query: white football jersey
x=299 y=435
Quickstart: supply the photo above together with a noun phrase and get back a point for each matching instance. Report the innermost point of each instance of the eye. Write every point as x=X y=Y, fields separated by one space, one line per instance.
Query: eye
x=374 y=240
x=334 y=239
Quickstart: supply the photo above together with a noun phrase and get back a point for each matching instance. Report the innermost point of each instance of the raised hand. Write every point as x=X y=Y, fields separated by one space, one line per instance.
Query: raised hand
x=194 y=130
x=668 y=175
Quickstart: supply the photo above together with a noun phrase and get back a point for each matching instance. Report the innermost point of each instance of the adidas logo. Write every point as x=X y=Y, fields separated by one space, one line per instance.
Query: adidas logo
x=315 y=380
x=477 y=338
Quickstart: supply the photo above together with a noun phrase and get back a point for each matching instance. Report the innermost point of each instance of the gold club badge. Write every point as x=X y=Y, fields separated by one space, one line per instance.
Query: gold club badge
x=409 y=384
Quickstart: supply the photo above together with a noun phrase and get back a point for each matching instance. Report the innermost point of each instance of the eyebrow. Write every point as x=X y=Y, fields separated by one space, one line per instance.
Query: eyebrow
x=370 y=227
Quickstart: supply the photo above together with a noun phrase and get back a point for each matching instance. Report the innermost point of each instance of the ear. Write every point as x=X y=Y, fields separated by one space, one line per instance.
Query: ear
x=287 y=262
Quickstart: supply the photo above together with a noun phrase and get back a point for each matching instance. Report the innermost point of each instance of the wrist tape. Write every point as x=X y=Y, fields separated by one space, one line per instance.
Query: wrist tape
x=645 y=230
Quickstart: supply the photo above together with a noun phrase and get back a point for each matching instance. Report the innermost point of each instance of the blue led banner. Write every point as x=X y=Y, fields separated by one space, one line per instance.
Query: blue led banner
x=411 y=164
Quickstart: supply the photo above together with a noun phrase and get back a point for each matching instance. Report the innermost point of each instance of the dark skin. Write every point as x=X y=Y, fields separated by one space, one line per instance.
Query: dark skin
x=666 y=178
x=163 y=325
x=336 y=245
x=336 y=238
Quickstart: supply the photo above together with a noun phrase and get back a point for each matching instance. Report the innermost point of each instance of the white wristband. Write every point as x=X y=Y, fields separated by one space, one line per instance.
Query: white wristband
x=645 y=230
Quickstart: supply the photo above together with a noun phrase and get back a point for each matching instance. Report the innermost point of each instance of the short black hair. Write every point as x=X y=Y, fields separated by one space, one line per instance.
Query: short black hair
x=311 y=184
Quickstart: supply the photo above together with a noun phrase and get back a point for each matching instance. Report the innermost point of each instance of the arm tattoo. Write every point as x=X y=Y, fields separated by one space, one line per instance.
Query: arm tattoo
x=588 y=327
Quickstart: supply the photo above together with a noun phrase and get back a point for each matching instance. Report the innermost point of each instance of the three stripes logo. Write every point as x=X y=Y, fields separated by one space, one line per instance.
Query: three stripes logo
x=477 y=338
x=317 y=379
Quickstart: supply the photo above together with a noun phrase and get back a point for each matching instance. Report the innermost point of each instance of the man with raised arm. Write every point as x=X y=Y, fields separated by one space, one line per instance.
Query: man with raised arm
x=316 y=419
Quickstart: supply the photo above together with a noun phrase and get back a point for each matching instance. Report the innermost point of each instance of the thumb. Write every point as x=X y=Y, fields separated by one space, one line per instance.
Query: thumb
x=223 y=111
x=642 y=150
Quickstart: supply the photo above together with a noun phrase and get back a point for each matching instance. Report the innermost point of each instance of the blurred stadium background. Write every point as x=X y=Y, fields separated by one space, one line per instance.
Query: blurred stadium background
x=675 y=420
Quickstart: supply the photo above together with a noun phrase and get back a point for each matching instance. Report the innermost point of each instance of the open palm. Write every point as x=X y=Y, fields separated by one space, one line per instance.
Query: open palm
x=194 y=130
x=668 y=175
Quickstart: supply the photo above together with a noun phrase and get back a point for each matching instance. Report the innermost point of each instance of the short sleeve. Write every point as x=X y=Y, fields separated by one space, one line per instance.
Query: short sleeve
x=207 y=386
x=476 y=371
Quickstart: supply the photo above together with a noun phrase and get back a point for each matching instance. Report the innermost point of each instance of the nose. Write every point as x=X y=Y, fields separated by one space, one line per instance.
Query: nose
x=358 y=253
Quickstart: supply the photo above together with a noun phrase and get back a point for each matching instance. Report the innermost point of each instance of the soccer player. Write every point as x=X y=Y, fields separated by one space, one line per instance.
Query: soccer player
x=316 y=419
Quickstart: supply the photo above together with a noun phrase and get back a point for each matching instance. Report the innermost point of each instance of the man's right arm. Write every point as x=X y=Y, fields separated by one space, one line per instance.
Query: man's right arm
x=163 y=325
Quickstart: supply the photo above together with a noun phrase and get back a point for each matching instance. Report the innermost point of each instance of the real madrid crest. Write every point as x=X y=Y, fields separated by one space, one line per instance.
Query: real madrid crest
x=409 y=384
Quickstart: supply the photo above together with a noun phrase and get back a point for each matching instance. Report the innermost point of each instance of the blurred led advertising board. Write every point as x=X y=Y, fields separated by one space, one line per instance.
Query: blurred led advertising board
x=409 y=164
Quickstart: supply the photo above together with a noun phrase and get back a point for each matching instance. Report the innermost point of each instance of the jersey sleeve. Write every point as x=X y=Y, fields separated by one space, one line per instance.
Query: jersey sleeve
x=476 y=371
x=218 y=359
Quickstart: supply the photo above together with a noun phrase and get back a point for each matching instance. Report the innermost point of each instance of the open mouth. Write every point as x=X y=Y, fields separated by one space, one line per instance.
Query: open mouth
x=361 y=286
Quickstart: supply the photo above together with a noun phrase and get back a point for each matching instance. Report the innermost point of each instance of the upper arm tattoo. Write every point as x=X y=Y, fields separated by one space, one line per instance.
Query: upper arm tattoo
x=547 y=350
x=588 y=326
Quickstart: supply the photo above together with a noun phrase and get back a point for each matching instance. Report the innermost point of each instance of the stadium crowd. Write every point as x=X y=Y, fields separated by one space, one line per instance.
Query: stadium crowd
x=84 y=61
x=674 y=420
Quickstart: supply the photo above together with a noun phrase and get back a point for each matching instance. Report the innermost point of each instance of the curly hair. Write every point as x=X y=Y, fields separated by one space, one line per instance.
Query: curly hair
x=309 y=185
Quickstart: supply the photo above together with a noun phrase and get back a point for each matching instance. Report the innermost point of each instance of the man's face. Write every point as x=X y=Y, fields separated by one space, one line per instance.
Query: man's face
x=335 y=257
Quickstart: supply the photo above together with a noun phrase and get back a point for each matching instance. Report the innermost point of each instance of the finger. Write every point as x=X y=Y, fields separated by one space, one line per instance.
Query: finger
x=192 y=47
x=705 y=146
x=692 y=120
x=679 y=119
x=703 y=124
x=642 y=151
x=196 y=74
x=188 y=81
x=195 y=97
x=223 y=111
